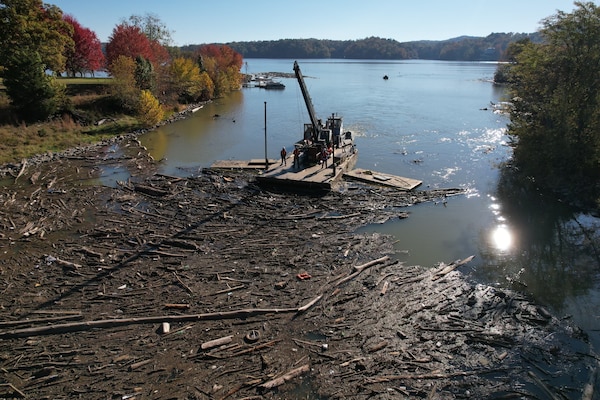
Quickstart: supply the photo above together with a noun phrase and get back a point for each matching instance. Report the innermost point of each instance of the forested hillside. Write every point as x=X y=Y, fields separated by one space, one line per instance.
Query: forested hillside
x=464 y=48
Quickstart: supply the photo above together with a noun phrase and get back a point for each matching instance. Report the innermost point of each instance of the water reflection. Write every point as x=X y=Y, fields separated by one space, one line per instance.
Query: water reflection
x=555 y=258
x=501 y=238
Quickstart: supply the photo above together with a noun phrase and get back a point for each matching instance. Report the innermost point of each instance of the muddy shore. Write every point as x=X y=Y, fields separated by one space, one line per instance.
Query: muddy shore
x=210 y=287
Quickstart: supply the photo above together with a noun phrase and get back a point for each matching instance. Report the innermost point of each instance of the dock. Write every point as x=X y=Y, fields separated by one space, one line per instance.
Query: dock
x=312 y=177
x=315 y=177
x=378 y=178
x=256 y=164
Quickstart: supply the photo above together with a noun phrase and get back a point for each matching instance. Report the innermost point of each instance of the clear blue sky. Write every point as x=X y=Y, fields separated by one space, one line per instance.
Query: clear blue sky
x=222 y=21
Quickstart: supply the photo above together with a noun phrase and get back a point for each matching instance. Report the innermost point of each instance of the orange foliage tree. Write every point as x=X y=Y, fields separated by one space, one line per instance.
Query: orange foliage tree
x=222 y=64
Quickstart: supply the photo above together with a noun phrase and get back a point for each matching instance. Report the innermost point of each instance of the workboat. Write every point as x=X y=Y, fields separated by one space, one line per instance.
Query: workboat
x=320 y=157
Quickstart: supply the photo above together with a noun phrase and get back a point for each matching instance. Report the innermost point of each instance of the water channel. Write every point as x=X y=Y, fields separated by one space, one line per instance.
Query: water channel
x=432 y=121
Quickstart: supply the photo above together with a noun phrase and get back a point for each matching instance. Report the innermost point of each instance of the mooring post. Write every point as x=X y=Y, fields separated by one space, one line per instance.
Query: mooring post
x=266 y=156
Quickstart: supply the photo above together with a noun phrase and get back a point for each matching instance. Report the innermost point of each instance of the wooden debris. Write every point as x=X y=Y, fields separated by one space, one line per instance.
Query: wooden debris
x=384 y=289
x=113 y=323
x=177 y=306
x=149 y=190
x=171 y=251
x=360 y=268
x=216 y=342
x=286 y=377
x=451 y=267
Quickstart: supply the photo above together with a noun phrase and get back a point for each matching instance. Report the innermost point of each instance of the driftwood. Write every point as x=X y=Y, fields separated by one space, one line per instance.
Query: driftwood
x=113 y=323
x=216 y=342
x=149 y=190
x=23 y=167
x=288 y=376
x=207 y=232
x=451 y=267
x=360 y=268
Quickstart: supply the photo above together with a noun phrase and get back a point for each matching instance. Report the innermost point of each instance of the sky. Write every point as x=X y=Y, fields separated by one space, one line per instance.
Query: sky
x=223 y=21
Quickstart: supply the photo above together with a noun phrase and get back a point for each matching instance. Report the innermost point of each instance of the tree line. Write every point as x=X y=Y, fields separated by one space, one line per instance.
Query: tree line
x=554 y=88
x=38 y=44
x=465 y=48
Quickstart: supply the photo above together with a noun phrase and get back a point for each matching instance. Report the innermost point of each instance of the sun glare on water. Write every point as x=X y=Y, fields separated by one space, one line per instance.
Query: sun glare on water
x=502 y=238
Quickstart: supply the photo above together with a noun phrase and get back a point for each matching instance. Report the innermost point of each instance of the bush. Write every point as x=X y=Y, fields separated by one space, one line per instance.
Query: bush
x=150 y=112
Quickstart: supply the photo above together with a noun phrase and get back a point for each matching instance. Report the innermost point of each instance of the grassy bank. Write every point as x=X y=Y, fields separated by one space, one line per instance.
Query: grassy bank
x=91 y=104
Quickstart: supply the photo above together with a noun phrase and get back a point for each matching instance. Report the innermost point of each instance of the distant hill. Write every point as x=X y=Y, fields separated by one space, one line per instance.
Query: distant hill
x=463 y=48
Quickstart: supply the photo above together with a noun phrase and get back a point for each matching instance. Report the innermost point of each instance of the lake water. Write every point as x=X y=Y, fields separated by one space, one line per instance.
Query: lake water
x=431 y=121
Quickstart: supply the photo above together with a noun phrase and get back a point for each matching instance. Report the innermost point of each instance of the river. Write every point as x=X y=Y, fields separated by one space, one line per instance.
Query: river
x=431 y=121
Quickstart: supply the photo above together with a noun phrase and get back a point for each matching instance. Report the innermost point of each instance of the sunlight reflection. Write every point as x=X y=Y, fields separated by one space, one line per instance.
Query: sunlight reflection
x=502 y=238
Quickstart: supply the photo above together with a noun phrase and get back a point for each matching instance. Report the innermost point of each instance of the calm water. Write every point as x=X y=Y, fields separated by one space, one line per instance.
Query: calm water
x=430 y=121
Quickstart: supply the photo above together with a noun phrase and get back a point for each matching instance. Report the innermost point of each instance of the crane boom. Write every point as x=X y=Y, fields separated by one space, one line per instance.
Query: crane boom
x=316 y=126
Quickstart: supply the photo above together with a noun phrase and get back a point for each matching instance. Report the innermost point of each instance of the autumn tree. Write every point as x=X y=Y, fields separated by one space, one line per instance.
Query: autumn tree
x=222 y=64
x=86 y=54
x=128 y=41
x=149 y=111
x=184 y=79
x=556 y=117
x=124 y=88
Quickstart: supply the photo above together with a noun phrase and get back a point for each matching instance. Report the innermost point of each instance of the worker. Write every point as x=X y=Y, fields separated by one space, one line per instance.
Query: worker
x=296 y=157
x=283 y=156
x=324 y=157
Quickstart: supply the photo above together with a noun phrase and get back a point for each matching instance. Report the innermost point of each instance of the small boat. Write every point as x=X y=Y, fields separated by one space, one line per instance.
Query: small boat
x=274 y=85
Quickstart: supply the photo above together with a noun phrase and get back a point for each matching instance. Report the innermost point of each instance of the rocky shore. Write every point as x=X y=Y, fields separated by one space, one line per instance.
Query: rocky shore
x=210 y=287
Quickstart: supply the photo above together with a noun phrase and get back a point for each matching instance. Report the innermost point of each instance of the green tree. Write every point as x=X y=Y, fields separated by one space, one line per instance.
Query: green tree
x=33 y=93
x=33 y=39
x=30 y=25
x=556 y=91
x=144 y=74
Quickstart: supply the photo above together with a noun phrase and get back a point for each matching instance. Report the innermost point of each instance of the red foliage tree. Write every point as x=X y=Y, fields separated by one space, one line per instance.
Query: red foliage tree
x=130 y=41
x=86 y=54
x=224 y=55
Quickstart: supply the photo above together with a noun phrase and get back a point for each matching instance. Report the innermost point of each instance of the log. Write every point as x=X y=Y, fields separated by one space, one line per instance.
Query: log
x=451 y=267
x=149 y=190
x=384 y=289
x=216 y=342
x=288 y=376
x=360 y=268
x=114 y=323
x=23 y=166
x=139 y=364
x=12 y=391
x=5 y=324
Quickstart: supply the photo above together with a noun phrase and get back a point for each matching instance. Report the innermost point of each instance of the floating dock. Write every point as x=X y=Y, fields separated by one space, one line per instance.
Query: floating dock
x=379 y=178
x=241 y=164
x=313 y=177
x=316 y=177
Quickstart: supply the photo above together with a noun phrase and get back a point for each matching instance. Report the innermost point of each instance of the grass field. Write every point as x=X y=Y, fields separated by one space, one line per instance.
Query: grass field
x=91 y=101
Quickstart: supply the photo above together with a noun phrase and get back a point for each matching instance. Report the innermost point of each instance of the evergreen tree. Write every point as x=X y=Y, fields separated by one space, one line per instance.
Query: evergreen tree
x=33 y=93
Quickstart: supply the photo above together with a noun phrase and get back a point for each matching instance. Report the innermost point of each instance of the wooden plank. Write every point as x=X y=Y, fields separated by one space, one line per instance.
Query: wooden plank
x=398 y=182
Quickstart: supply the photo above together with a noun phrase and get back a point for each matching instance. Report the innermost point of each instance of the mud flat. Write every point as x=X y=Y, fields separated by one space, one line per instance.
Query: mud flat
x=209 y=287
